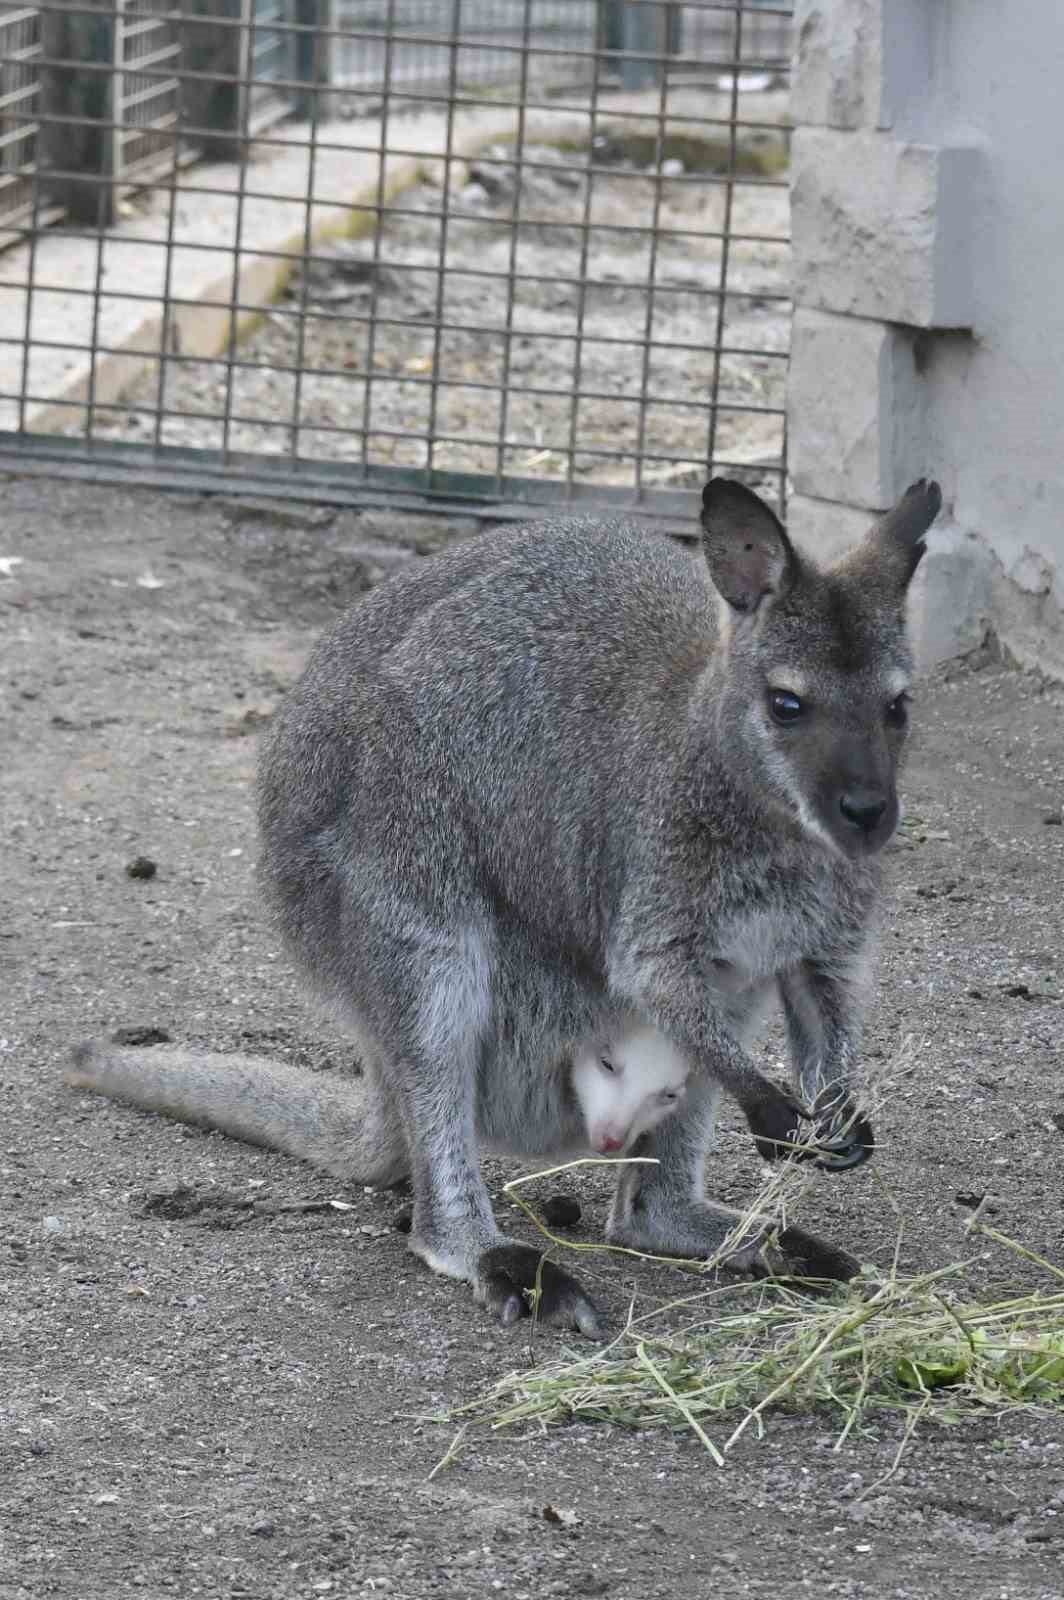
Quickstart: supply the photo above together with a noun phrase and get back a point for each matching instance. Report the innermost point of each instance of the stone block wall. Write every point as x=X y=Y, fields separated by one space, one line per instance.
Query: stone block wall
x=911 y=228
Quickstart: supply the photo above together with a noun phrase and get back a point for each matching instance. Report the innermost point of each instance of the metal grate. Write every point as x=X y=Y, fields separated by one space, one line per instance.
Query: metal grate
x=20 y=88
x=432 y=41
x=271 y=56
x=146 y=88
x=505 y=253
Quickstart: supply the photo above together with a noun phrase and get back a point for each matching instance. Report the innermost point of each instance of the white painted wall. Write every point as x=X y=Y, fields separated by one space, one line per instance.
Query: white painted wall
x=929 y=329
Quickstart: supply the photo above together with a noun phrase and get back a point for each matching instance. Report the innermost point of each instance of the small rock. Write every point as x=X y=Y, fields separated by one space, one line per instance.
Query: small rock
x=1057 y=1119
x=496 y=182
x=247 y=720
x=141 y=867
x=404 y=1219
x=561 y=1211
x=173 y=1203
x=263 y=1530
x=278 y=513
x=140 y=1037
x=970 y=1201
x=607 y=151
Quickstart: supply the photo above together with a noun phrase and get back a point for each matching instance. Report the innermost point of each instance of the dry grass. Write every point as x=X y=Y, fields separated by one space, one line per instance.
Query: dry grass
x=720 y=1360
x=914 y=1345
x=724 y=1357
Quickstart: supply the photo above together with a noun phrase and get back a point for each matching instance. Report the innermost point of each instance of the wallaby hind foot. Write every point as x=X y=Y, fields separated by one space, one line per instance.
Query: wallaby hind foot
x=517 y=1280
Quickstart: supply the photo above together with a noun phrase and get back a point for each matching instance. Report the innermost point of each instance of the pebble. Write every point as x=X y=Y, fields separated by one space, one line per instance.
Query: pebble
x=562 y=1211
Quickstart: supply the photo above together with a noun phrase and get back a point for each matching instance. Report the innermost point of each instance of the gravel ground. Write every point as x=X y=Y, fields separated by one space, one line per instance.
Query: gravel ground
x=311 y=359
x=205 y=1396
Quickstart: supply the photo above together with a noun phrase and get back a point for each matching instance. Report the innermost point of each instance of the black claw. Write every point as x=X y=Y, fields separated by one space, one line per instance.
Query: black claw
x=844 y=1137
x=509 y=1276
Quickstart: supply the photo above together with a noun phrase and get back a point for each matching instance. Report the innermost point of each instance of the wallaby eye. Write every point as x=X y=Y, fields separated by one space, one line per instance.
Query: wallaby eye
x=898 y=711
x=784 y=706
x=669 y=1097
x=606 y=1064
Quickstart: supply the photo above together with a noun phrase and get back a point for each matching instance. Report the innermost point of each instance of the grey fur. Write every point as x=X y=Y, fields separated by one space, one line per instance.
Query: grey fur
x=535 y=787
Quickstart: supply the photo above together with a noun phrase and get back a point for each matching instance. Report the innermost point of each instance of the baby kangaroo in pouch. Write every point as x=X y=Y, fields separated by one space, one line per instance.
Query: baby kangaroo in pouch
x=627 y=1088
x=567 y=785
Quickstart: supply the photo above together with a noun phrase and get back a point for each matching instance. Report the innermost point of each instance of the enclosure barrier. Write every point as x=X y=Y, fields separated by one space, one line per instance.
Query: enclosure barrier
x=477 y=253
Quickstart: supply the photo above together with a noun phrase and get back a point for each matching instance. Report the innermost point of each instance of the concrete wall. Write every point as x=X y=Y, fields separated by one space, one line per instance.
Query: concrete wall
x=928 y=224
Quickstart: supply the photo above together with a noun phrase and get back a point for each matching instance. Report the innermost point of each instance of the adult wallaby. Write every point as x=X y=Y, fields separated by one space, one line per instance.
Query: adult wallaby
x=553 y=779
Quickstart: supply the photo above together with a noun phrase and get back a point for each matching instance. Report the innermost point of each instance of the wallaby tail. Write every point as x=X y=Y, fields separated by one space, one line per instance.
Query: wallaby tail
x=338 y=1126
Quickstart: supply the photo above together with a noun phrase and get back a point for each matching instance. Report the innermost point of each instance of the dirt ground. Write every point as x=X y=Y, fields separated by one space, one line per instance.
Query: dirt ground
x=213 y=1382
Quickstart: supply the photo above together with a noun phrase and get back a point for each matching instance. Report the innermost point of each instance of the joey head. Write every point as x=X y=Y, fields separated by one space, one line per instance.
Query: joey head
x=627 y=1087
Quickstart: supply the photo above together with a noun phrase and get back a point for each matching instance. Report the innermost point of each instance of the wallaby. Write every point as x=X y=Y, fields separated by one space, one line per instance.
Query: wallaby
x=555 y=779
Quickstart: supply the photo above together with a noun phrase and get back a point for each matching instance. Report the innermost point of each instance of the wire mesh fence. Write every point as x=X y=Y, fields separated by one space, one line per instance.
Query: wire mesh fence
x=502 y=252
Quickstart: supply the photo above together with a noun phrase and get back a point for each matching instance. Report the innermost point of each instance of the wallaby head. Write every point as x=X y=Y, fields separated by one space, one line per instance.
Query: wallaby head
x=627 y=1088
x=814 y=665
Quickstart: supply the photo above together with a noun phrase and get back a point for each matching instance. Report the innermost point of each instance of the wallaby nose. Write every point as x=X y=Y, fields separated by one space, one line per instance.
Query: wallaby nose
x=863 y=807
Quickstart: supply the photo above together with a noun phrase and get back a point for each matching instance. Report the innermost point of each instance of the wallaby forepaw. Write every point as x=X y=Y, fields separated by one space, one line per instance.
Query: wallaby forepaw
x=840 y=1137
x=776 y=1125
x=516 y=1280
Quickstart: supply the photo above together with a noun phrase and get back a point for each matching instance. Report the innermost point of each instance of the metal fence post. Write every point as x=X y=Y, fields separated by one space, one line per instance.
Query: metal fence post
x=314 y=55
x=609 y=25
x=645 y=30
x=78 y=156
x=216 y=45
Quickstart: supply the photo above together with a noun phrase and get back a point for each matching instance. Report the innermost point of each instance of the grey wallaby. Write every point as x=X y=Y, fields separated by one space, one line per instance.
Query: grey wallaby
x=543 y=784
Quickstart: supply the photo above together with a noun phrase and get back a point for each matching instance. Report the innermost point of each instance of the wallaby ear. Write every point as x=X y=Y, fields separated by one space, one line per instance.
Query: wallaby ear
x=748 y=552
x=899 y=536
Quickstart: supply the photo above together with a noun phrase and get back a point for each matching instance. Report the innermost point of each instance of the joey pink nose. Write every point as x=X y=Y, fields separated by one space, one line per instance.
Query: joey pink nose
x=608 y=1147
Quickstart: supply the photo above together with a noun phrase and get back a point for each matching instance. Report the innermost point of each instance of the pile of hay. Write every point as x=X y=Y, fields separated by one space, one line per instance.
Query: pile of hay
x=719 y=1360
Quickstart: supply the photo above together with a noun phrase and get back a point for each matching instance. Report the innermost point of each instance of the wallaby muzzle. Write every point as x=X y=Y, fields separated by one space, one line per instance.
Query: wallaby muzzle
x=870 y=811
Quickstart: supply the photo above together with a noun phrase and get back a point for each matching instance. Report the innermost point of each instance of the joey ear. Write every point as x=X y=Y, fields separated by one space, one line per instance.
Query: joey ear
x=748 y=552
x=899 y=536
